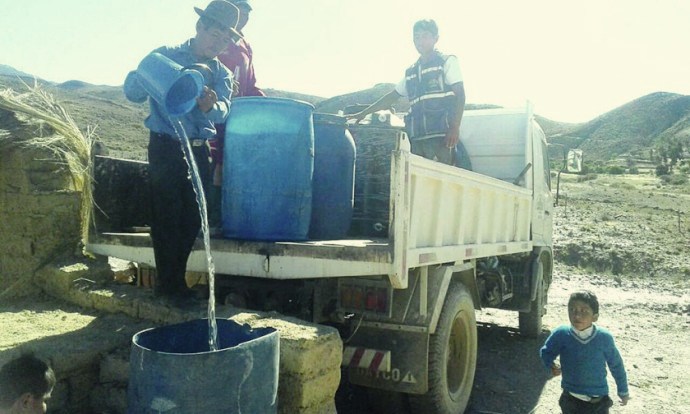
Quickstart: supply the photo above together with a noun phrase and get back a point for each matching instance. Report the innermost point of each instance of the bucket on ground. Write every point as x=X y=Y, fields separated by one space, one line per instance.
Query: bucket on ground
x=267 y=169
x=175 y=88
x=172 y=370
x=333 y=182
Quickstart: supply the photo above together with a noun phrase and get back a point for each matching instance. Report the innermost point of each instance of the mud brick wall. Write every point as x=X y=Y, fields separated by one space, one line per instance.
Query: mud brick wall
x=310 y=354
x=39 y=212
x=39 y=206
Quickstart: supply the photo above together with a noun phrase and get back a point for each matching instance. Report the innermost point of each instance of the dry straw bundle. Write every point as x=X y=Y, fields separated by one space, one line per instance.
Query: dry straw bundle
x=61 y=136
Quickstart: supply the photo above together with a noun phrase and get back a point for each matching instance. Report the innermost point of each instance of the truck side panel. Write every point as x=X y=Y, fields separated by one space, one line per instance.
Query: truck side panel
x=442 y=213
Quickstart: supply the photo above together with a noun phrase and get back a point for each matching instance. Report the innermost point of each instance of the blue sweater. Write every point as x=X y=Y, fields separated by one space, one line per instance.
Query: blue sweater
x=583 y=362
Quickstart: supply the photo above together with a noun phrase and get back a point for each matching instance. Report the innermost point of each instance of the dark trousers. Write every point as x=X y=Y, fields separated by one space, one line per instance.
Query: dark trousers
x=175 y=220
x=572 y=405
x=436 y=149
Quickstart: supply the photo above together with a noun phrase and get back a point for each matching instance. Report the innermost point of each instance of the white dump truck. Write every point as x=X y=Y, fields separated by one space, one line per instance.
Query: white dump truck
x=455 y=241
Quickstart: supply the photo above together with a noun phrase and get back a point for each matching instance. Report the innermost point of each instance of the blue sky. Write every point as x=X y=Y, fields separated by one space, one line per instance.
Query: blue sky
x=573 y=60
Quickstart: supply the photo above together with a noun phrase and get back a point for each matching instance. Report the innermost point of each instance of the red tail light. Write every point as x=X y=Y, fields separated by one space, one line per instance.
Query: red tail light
x=361 y=298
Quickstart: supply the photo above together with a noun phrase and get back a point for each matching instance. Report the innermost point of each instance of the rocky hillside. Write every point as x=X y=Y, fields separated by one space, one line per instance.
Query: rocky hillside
x=635 y=127
x=631 y=128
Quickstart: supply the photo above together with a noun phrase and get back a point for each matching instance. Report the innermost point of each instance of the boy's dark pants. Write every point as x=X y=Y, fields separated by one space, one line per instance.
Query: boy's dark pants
x=175 y=221
x=572 y=405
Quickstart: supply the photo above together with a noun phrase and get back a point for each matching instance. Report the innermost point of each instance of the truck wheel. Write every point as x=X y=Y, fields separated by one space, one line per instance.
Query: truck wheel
x=531 y=322
x=452 y=357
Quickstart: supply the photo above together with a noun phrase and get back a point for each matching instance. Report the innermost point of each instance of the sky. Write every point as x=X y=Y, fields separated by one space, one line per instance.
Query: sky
x=573 y=60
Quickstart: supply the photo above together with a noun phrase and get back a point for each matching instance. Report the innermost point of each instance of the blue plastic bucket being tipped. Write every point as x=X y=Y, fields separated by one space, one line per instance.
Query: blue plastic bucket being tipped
x=168 y=83
x=172 y=371
x=333 y=184
x=267 y=169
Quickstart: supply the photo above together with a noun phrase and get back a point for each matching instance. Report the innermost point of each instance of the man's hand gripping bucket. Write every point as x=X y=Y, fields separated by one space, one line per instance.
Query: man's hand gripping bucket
x=175 y=88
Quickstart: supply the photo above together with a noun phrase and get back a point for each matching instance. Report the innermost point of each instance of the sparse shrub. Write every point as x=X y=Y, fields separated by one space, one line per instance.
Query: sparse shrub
x=677 y=179
x=587 y=177
x=685 y=169
x=605 y=216
x=623 y=186
x=661 y=170
x=615 y=170
x=633 y=170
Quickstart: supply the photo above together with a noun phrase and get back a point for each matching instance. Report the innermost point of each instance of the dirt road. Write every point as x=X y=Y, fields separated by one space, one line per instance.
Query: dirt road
x=651 y=325
x=624 y=238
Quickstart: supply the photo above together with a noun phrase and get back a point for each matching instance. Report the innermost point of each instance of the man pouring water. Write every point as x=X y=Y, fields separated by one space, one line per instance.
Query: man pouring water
x=175 y=221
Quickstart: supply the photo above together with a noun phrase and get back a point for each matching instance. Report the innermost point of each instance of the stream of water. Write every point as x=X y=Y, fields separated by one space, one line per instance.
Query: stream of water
x=201 y=202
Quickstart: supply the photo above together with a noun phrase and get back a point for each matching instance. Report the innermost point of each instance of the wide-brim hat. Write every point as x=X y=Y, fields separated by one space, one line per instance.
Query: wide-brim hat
x=224 y=13
x=244 y=3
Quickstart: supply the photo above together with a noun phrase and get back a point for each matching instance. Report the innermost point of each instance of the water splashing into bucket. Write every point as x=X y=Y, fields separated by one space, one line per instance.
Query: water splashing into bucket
x=201 y=202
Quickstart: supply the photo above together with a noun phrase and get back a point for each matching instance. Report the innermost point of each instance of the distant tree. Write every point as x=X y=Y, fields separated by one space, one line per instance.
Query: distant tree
x=661 y=170
x=670 y=151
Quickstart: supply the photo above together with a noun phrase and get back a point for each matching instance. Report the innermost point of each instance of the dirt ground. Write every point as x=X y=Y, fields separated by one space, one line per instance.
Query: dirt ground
x=651 y=325
x=625 y=238
x=628 y=240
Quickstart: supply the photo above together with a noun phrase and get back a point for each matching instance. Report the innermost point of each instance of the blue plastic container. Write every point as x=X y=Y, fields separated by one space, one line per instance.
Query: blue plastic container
x=172 y=371
x=267 y=169
x=168 y=83
x=333 y=185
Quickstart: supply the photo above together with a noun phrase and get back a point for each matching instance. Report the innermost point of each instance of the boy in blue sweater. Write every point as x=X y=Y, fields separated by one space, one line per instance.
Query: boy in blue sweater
x=585 y=350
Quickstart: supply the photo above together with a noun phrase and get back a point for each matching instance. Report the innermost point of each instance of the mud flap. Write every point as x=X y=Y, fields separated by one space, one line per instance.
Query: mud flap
x=409 y=362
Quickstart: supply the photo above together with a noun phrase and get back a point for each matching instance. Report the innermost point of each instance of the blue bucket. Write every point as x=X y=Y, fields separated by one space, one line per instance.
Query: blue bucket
x=333 y=185
x=267 y=169
x=172 y=86
x=171 y=370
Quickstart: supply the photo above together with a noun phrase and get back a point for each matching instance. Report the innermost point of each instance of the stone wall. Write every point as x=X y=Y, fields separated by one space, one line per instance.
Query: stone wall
x=40 y=222
x=310 y=354
x=39 y=206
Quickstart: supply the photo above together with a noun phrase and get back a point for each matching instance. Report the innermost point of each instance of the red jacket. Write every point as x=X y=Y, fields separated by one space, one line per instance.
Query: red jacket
x=239 y=59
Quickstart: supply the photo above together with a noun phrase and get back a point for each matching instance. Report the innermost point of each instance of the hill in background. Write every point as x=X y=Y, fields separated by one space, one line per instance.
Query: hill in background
x=633 y=128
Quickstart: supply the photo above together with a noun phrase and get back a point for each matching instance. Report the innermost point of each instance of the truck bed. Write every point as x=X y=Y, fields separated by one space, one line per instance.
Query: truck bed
x=438 y=214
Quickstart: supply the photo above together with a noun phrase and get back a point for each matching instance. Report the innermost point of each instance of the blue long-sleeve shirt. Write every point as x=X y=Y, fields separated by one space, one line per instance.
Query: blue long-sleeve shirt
x=196 y=123
x=584 y=361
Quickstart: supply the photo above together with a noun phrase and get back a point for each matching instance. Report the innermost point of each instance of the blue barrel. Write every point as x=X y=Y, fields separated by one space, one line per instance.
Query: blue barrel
x=172 y=371
x=267 y=169
x=333 y=185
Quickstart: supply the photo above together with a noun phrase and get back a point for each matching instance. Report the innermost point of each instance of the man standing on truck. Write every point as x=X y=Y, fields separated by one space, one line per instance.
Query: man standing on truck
x=239 y=58
x=435 y=89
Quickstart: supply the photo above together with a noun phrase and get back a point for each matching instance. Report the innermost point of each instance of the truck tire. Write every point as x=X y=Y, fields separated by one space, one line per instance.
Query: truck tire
x=531 y=322
x=452 y=357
